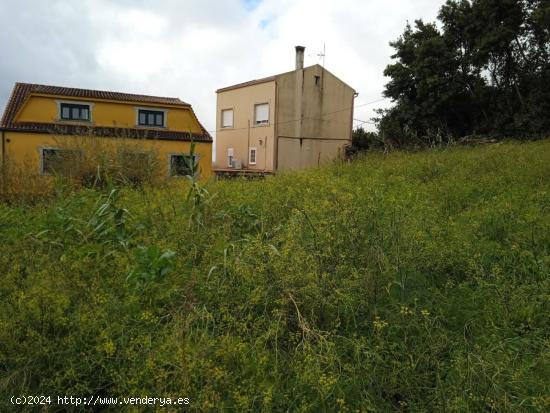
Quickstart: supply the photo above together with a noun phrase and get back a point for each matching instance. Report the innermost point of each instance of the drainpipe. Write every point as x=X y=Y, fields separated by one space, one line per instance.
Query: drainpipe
x=299 y=92
x=275 y=130
x=355 y=94
x=3 y=158
x=248 y=146
x=3 y=149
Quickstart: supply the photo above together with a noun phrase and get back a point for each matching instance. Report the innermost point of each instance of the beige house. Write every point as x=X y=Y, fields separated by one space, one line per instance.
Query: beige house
x=293 y=120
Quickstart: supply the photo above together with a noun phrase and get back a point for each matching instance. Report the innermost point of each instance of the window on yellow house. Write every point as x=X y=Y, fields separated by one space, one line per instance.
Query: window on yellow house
x=136 y=166
x=54 y=161
x=151 y=118
x=73 y=111
x=183 y=164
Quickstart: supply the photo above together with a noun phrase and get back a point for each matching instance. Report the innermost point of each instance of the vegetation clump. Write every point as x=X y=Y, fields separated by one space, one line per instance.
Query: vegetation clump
x=396 y=282
x=484 y=69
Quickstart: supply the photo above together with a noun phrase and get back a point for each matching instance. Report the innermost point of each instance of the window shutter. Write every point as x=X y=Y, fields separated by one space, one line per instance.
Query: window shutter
x=262 y=113
x=227 y=118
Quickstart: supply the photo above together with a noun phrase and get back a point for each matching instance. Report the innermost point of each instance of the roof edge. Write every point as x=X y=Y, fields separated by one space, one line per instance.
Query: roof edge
x=274 y=78
x=130 y=102
x=248 y=83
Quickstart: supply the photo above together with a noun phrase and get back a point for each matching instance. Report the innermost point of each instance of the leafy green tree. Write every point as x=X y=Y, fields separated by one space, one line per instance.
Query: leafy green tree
x=484 y=71
x=362 y=141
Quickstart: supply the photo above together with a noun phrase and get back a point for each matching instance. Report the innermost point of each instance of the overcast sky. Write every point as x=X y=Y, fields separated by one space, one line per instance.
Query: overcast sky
x=190 y=48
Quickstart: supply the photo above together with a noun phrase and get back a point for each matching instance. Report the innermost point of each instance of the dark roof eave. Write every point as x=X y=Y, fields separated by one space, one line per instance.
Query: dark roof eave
x=107 y=132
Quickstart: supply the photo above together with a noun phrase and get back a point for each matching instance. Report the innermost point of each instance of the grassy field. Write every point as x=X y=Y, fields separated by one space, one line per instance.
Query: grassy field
x=401 y=282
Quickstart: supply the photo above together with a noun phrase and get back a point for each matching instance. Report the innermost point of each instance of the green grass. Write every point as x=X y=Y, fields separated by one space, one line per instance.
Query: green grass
x=402 y=282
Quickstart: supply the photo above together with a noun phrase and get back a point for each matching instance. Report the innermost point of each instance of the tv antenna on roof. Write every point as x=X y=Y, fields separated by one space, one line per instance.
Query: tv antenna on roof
x=320 y=55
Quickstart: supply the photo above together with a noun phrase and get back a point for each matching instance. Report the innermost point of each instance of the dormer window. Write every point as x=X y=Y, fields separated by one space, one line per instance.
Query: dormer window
x=155 y=118
x=74 y=111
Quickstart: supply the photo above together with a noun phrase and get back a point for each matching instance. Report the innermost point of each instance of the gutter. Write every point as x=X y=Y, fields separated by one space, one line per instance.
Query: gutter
x=3 y=149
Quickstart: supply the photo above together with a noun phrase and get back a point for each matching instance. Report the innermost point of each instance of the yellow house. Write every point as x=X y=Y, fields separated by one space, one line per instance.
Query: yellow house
x=39 y=120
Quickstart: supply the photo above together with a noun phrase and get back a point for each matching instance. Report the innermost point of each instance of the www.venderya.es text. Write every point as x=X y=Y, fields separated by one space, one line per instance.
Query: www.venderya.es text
x=95 y=400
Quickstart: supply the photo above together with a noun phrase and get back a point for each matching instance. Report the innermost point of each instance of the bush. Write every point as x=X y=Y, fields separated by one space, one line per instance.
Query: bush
x=83 y=161
x=363 y=141
x=89 y=161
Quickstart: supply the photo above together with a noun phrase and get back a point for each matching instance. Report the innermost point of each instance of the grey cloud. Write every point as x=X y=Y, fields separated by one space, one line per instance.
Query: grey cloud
x=45 y=42
x=196 y=46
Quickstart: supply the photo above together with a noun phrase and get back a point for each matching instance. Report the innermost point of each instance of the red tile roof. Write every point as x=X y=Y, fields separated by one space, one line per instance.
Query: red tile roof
x=22 y=91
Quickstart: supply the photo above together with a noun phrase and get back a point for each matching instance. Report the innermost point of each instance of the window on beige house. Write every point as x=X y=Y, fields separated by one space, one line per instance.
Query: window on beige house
x=252 y=156
x=230 y=157
x=227 y=118
x=261 y=114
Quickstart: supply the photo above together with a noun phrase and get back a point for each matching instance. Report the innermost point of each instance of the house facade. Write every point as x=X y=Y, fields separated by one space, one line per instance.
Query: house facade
x=294 y=120
x=40 y=122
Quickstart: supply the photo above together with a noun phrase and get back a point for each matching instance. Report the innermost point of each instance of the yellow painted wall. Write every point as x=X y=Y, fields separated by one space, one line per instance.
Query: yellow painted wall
x=25 y=147
x=106 y=113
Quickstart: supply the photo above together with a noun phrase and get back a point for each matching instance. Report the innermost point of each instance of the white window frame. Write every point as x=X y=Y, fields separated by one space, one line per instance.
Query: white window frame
x=74 y=102
x=230 y=157
x=150 y=108
x=250 y=150
x=263 y=122
x=222 y=125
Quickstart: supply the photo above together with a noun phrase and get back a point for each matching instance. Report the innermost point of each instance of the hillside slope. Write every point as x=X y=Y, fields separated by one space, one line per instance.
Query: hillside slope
x=406 y=282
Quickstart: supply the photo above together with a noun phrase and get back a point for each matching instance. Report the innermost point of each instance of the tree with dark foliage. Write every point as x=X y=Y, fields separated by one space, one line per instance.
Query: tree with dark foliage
x=485 y=71
x=362 y=141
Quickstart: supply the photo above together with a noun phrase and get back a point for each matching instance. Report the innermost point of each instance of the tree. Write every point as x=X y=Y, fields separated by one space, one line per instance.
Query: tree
x=362 y=141
x=486 y=71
